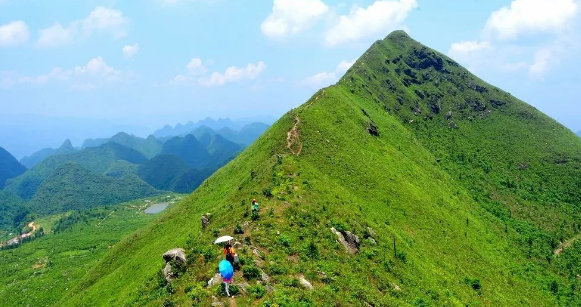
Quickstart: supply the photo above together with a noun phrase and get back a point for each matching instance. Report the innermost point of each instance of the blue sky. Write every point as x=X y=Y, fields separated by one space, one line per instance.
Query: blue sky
x=98 y=66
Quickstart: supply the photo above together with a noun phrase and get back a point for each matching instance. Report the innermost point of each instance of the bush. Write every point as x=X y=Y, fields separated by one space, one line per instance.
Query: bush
x=233 y=289
x=250 y=272
x=238 y=229
x=257 y=291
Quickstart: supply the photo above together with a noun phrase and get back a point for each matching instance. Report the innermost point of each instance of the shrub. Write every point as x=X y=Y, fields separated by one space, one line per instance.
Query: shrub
x=250 y=272
x=257 y=291
x=238 y=229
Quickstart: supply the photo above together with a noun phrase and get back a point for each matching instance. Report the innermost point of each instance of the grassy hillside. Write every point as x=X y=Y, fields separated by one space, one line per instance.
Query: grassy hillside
x=40 y=272
x=440 y=175
x=72 y=187
x=9 y=167
x=97 y=160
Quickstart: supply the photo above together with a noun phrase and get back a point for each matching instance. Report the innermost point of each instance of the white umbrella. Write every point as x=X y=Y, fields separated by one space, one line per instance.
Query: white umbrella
x=223 y=239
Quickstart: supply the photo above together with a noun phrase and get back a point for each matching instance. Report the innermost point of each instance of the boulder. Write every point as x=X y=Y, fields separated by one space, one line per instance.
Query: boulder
x=305 y=283
x=206 y=219
x=265 y=277
x=352 y=240
x=372 y=129
x=216 y=280
x=167 y=272
x=348 y=240
x=177 y=254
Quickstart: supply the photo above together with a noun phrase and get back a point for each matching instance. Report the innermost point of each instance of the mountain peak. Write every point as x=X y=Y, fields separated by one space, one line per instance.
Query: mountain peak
x=67 y=144
x=398 y=35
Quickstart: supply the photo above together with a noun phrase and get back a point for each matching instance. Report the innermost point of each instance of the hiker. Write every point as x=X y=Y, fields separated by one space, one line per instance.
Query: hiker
x=229 y=252
x=227 y=273
x=254 y=210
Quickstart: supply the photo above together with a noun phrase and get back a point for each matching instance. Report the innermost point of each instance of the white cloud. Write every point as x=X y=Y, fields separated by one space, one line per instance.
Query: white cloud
x=13 y=33
x=324 y=78
x=463 y=51
x=543 y=59
x=196 y=67
x=101 y=19
x=94 y=74
x=234 y=74
x=529 y=16
x=547 y=27
x=130 y=50
x=56 y=35
x=378 y=18
x=290 y=17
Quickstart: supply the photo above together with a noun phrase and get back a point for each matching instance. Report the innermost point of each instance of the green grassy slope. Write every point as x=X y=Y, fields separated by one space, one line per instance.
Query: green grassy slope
x=97 y=160
x=461 y=237
x=72 y=187
x=40 y=272
x=9 y=167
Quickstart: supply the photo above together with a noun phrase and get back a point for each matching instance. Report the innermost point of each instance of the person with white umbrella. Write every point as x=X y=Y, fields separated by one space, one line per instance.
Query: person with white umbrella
x=229 y=251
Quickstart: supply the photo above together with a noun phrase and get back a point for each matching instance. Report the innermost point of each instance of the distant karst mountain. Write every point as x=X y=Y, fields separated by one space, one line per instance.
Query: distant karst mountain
x=73 y=187
x=149 y=147
x=42 y=154
x=98 y=160
x=237 y=132
x=410 y=182
x=9 y=167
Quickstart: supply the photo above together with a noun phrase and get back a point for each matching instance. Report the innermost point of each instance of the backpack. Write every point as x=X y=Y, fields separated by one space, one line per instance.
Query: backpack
x=229 y=253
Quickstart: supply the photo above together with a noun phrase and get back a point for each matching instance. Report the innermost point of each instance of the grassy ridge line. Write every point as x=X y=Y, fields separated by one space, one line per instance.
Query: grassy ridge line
x=328 y=180
x=454 y=249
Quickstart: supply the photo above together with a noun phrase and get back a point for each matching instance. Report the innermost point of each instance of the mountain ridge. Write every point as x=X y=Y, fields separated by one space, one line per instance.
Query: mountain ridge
x=411 y=153
x=9 y=167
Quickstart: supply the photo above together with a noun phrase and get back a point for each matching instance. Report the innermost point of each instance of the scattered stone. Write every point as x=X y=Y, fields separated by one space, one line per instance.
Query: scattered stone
x=350 y=248
x=269 y=288
x=448 y=115
x=167 y=272
x=237 y=244
x=396 y=287
x=372 y=129
x=265 y=277
x=370 y=232
x=256 y=252
x=305 y=283
x=206 y=219
x=216 y=303
x=177 y=254
x=352 y=240
x=215 y=280
x=372 y=241
x=244 y=286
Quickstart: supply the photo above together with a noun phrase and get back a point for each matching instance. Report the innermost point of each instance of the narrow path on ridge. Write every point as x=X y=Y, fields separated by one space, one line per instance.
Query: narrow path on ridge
x=292 y=138
x=564 y=245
